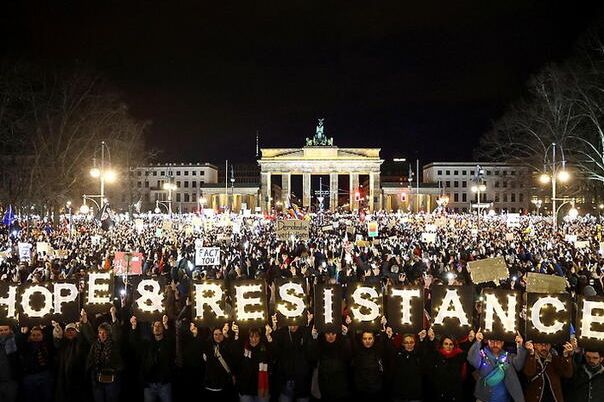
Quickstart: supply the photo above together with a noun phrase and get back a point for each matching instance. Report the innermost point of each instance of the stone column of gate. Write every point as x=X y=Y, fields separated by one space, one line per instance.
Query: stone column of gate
x=306 y=190
x=285 y=188
x=374 y=191
x=265 y=191
x=354 y=187
x=333 y=191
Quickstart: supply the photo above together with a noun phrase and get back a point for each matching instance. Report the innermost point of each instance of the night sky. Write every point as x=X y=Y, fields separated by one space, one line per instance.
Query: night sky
x=418 y=79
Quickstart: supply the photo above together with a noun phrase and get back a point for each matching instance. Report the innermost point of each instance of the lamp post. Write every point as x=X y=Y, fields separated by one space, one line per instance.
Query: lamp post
x=478 y=187
x=163 y=204
x=104 y=173
x=556 y=174
x=85 y=209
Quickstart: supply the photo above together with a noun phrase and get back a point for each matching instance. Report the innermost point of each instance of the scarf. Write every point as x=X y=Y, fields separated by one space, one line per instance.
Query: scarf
x=9 y=344
x=593 y=372
x=102 y=354
x=451 y=354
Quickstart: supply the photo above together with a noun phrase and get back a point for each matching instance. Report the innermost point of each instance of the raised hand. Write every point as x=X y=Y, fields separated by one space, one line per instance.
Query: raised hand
x=165 y=320
x=569 y=349
x=314 y=333
x=479 y=335
x=431 y=334
x=530 y=347
x=133 y=322
x=422 y=334
x=389 y=332
x=193 y=329
x=235 y=329
x=519 y=341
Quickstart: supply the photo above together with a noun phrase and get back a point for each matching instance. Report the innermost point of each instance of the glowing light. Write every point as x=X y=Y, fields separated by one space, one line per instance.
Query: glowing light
x=291 y=293
x=71 y=296
x=95 y=172
x=151 y=297
x=208 y=294
x=573 y=213
x=588 y=318
x=492 y=306
x=98 y=288
x=536 y=314
x=451 y=300
x=28 y=309
x=563 y=176
x=328 y=305
x=84 y=209
x=406 y=295
x=544 y=178
x=110 y=176
x=241 y=291
x=10 y=301
x=369 y=303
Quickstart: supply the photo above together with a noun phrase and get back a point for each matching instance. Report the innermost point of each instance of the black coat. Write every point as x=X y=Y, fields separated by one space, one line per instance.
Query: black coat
x=368 y=368
x=582 y=389
x=71 y=369
x=333 y=360
x=246 y=360
x=156 y=357
x=293 y=353
x=404 y=372
x=444 y=375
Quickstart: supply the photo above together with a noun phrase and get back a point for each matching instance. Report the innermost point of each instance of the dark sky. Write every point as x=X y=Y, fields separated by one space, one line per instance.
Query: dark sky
x=416 y=78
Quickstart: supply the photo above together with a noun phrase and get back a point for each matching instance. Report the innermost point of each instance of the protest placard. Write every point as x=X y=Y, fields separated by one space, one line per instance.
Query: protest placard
x=43 y=248
x=207 y=256
x=513 y=220
x=488 y=270
x=285 y=229
x=127 y=263
x=544 y=283
x=372 y=229
x=24 y=251
x=429 y=237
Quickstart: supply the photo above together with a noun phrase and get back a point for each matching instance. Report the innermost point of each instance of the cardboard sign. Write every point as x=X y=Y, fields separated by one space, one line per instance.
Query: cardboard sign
x=513 y=220
x=582 y=244
x=544 y=283
x=405 y=309
x=548 y=318
x=488 y=270
x=167 y=226
x=500 y=318
x=24 y=252
x=372 y=229
x=95 y=240
x=430 y=228
x=126 y=263
x=290 y=301
x=429 y=237
x=285 y=229
x=139 y=225
x=209 y=307
x=43 y=248
x=327 y=228
x=570 y=238
x=207 y=256
x=328 y=307
x=452 y=308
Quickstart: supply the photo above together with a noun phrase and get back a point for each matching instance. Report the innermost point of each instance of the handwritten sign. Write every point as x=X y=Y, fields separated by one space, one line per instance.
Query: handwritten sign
x=544 y=283
x=285 y=229
x=488 y=270
x=207 y=256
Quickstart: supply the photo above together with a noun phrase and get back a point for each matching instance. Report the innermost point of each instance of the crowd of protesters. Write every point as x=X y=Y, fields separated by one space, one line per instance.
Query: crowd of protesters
x=113 y=356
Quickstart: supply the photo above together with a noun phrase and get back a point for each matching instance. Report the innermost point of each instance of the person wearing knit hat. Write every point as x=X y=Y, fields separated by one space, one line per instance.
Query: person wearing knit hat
x=589 y=291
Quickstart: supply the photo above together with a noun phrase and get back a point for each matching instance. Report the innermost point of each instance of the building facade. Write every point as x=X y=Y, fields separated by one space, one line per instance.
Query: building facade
x=165 y=185
x=507 y=186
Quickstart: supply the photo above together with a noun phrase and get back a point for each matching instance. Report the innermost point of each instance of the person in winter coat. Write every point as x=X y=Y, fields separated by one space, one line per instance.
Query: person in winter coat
x=105 y=364
x=9 y=364
x=368 y=366
x=251 y=360
x=405 y=366
x=447 y=368
x=497 y=369
x=156 y=358
x=333 y=356
x=35 y=348
x=292 y=350
x=71 y=352
x=218 y=377
x=587 y=384
x=544 y=370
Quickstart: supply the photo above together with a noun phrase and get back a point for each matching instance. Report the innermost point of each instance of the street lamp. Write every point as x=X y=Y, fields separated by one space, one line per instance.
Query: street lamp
x=103 y=173
x=556 y=174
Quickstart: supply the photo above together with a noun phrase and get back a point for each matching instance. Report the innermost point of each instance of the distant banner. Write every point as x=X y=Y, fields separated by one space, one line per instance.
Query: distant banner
x=299 y=229
x=125 y=263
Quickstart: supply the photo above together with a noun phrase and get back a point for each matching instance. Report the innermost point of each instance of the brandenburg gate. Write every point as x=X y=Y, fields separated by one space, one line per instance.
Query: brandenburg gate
x=320 y=157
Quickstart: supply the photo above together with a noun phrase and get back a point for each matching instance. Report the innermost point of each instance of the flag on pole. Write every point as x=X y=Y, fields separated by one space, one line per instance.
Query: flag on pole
x=9 y=216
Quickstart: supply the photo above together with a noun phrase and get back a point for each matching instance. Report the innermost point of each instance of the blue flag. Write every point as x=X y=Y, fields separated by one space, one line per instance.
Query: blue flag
x=9 y=216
